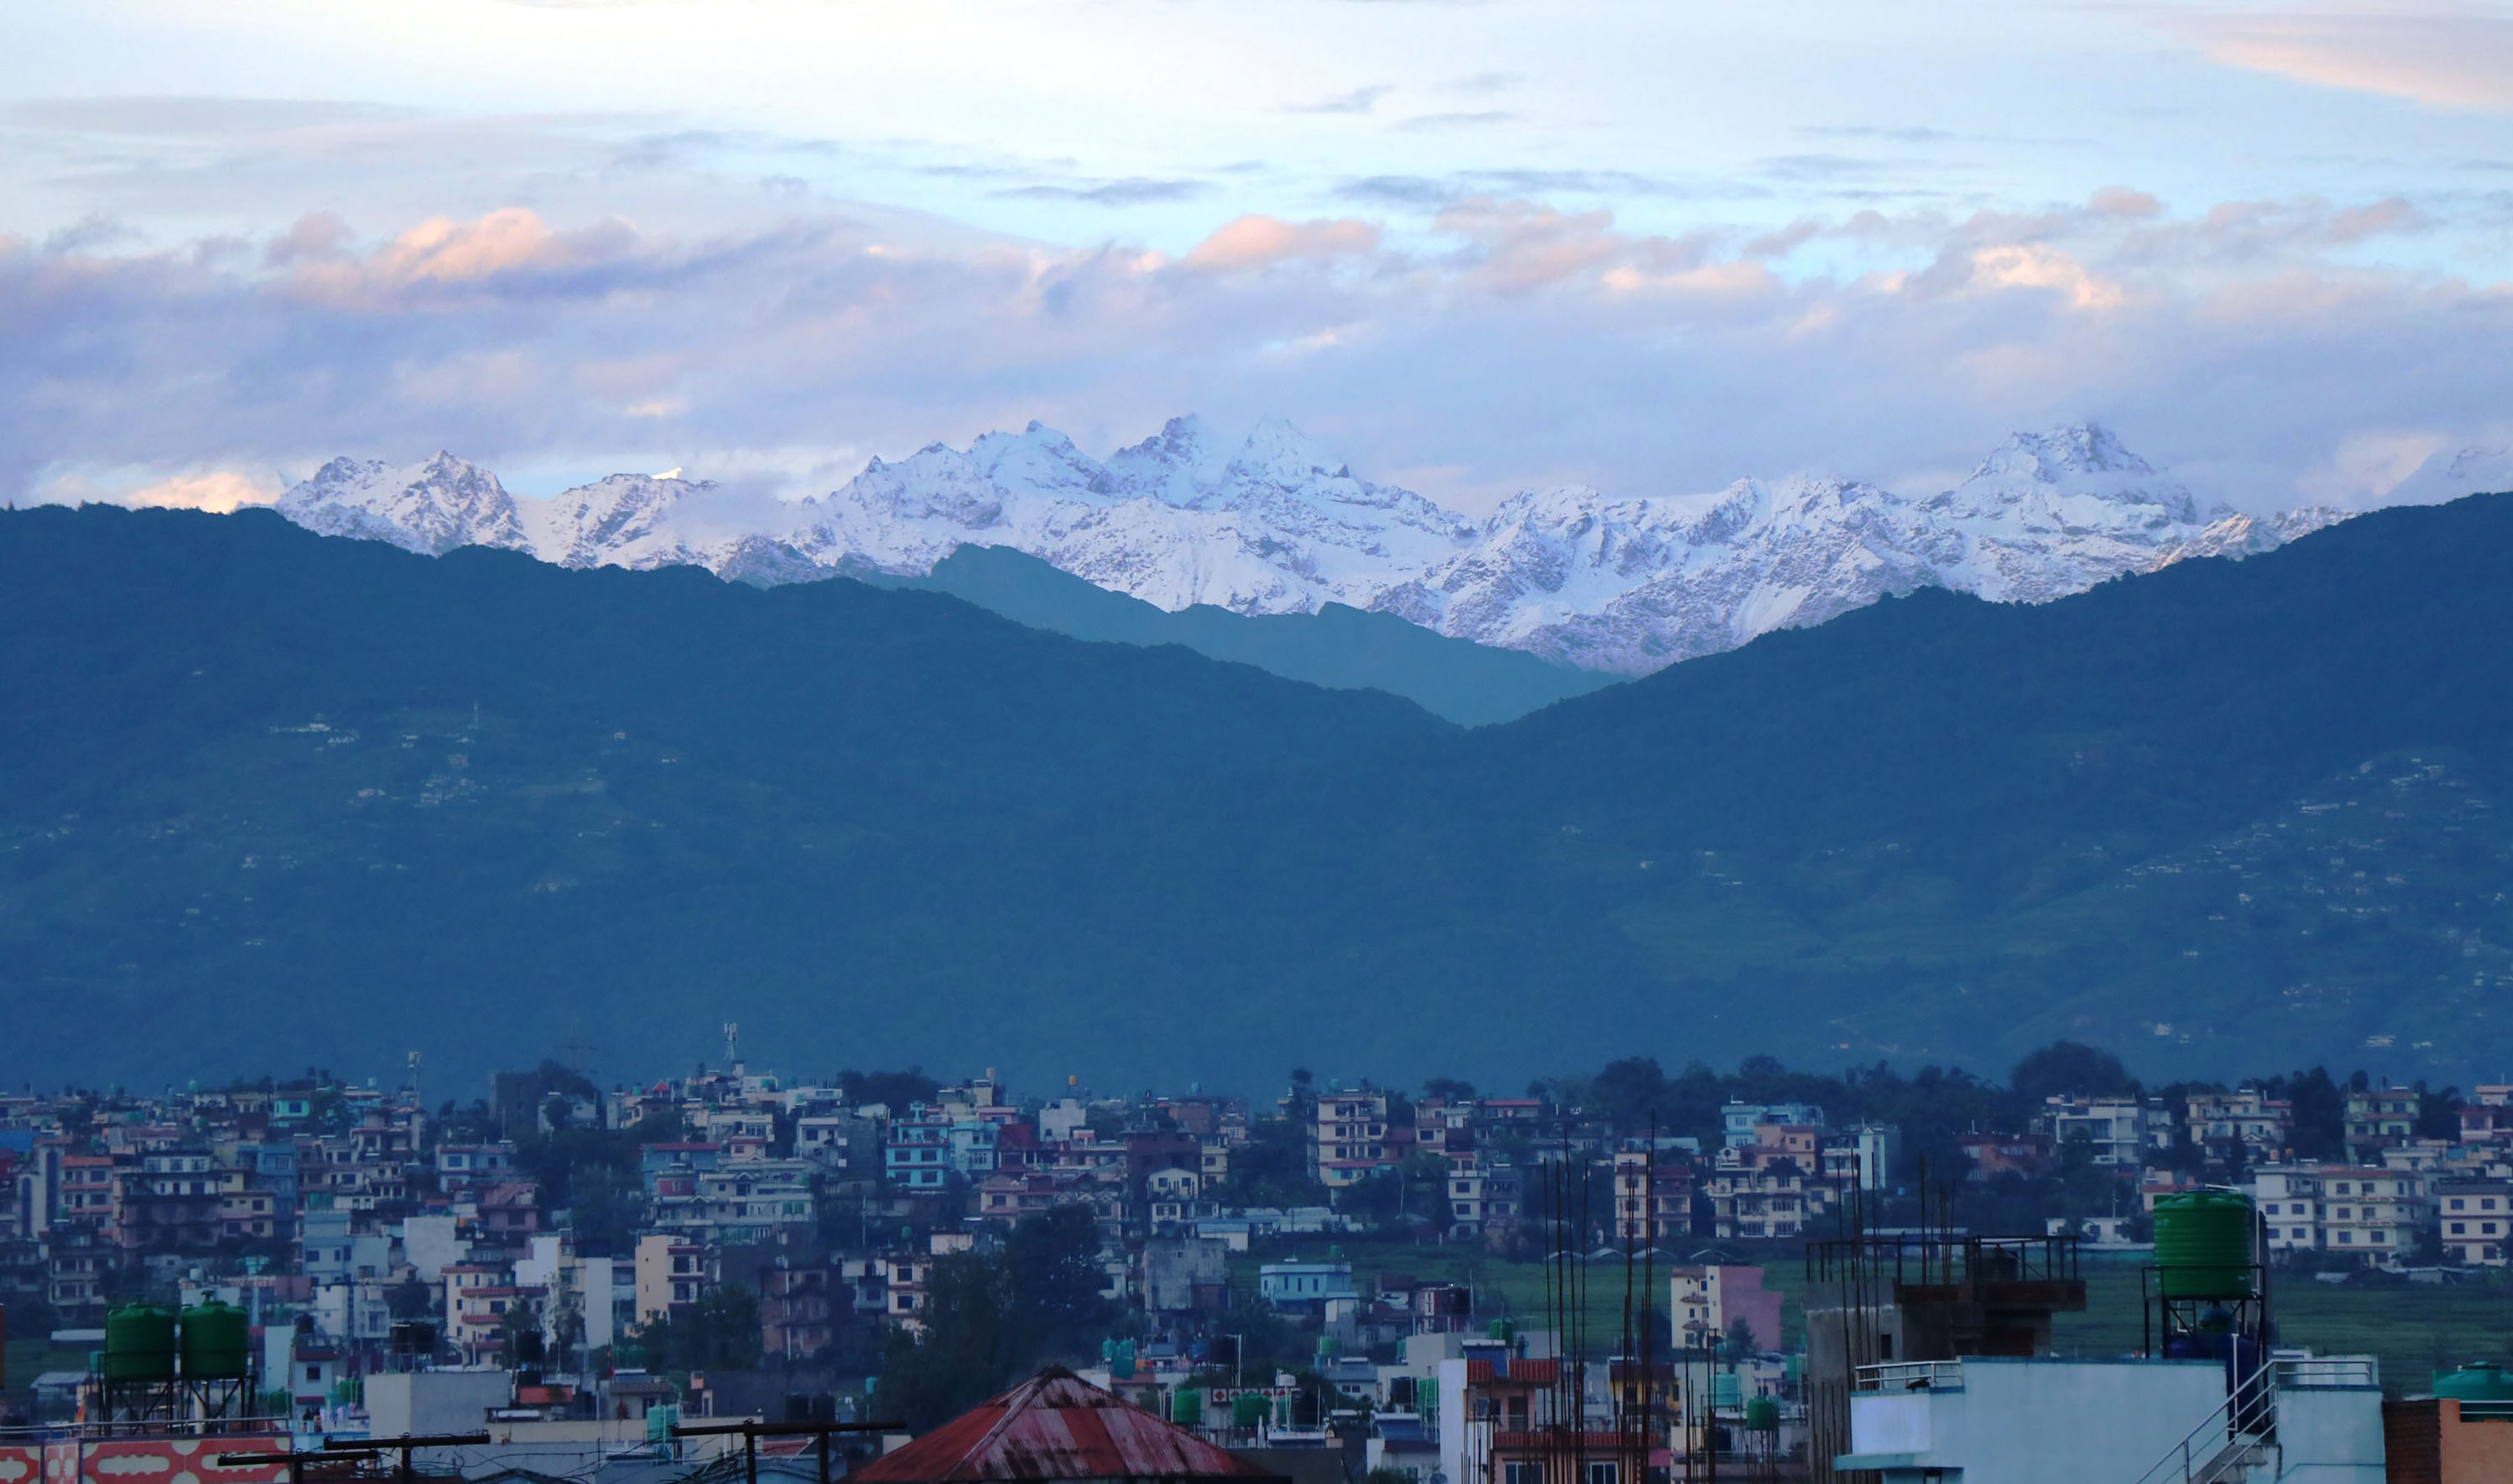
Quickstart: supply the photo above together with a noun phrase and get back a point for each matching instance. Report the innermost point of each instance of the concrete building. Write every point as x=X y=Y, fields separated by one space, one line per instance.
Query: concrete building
x=1987 y=1419
x=1352 y=1138
x=671 y=1272
x=2475 y=1220
x=1706 y=1302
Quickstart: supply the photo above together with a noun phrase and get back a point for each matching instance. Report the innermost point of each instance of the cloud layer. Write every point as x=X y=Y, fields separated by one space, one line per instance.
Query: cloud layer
x=1508 y=343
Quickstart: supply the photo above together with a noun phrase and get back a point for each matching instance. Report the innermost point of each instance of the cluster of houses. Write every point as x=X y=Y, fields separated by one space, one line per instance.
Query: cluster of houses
x=369 y=1237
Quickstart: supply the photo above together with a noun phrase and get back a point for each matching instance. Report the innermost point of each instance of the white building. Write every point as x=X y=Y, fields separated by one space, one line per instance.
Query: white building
x=1987 y=1420
x=2475 y=1217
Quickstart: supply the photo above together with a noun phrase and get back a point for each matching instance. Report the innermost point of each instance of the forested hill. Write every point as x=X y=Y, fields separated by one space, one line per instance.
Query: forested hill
x=266 y=798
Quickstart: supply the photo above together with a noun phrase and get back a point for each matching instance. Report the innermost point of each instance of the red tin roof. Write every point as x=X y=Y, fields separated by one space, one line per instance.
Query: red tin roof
x=1056 y=1426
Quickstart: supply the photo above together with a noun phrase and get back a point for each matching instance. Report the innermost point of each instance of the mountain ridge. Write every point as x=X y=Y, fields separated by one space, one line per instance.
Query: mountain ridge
x=266 y=793
x=1276 y=524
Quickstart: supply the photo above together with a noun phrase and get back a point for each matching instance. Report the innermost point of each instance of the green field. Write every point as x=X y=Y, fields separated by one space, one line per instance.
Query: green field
x=2414 y=1330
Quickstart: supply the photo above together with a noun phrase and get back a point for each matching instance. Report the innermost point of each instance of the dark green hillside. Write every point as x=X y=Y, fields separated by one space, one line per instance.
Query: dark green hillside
x=266 y=800
x=1336 y=646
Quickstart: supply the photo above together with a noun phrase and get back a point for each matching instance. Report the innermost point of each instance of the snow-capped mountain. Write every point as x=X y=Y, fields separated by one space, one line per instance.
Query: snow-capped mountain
x=1275 y=524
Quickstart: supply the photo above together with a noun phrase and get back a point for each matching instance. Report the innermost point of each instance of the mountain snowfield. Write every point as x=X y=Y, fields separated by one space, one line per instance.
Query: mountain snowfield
x=1274 y=523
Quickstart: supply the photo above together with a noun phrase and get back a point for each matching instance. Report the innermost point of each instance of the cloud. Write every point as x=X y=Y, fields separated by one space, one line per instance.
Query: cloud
x=219 y=493
x=2121 y=201
x=1128 y=192
x=1358 y=100
x=2444 y=54
x=441 y=254
x=1506 y=338
x=1260 y=242
x=1474 y=119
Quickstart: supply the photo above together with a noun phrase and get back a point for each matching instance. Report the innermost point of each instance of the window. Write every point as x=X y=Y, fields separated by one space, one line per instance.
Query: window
x=2459 y=1228
x=1603 y=1473
x=1521 y=1473
x=313 y=1372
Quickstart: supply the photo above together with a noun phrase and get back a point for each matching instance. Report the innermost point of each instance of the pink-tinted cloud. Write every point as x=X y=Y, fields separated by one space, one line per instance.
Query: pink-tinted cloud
x=1261 y=242
x=2445 y=53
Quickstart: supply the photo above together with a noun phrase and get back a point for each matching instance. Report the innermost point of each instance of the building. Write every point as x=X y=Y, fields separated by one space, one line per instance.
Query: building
x=2089 y=1422
x=2289 y=1197
x=2475 y=1220
x=2378 y=1119
x=2370 y=1213
x=1305 y=1287
x=1706 y=1302
x=1739 y=1120
x=2245 y=1125
x=2113 y=1128
x=671 y=1273
x=1059 y=1426
x=1352 y=1138
x=1653 y=1198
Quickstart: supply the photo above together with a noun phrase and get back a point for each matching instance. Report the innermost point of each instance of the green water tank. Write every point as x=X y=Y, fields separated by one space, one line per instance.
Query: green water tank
x=1762 y=1415
x=1247 y=1408
x=1503 y=1330
x=139 y=1344
x=1187 y=1407
x=216 y=1342
x=1327 y=1347
x=2203 y=1245
x=2482 y=1381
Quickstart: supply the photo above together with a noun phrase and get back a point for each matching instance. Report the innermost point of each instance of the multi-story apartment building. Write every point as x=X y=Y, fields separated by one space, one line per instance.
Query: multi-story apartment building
x=916 y=1154
x=1653 y=1197
x=2289 y=1199
x=461 y=1166
x=1761 y=1191
x=2114 y=1129
x=2246 y=1123
x=2372 y=1212
x=1863 y=1157
x=2474 y=1219
x=2378 y=1119
x=671 y=1273
x=170 y=1203
x=1482 y=1193
x=1739 y=1120
x=1352 y=1138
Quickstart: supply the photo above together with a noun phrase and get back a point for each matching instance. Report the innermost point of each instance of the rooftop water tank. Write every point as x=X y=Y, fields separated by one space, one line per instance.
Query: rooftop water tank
x=216 y=1342
x=1247 y=1408
x=1187 y=1407
x=139 y=1344
x=2481 y=1381
x=2203 y=1245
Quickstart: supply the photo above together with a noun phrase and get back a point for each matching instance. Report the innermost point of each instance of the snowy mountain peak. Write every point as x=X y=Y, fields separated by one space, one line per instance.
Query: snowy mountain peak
x=1276 y=523
x=2072 y=449
x=431 y=506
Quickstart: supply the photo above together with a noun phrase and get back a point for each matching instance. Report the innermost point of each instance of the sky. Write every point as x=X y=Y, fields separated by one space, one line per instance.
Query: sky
x=1476 y=246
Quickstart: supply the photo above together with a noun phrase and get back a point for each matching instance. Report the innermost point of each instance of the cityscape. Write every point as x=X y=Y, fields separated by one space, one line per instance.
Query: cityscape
x=1347 y=1269
x=1255 y=742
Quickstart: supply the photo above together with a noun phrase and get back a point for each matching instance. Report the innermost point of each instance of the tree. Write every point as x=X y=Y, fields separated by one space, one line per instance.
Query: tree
x=1740 y=1339
x=2072 y=1069
x=1454 y=1089
x=964 y=1353
x=893 y=1088
x=1052 y=1264
x=720 y=1332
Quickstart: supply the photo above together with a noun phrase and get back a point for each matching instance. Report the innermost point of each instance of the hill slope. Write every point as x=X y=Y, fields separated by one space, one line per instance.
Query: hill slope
x=2223 y=816
x=1345 y=648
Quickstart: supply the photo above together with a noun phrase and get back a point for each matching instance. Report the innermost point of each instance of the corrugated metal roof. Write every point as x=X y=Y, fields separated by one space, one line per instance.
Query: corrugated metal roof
x=1056 y=1426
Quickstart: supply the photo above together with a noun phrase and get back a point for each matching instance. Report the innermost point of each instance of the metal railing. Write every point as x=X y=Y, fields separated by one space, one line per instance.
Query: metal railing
x=1909 y=1375
x=2227 y=1441
x=2358 y=1371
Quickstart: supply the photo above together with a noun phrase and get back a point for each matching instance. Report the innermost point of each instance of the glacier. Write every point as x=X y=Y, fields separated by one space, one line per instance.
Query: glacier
x=1273 y=523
